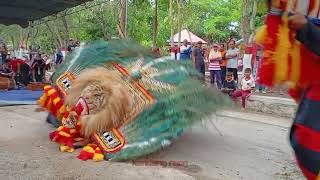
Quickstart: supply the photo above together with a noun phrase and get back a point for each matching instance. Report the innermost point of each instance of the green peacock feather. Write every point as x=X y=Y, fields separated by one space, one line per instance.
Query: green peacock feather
x=181 y=99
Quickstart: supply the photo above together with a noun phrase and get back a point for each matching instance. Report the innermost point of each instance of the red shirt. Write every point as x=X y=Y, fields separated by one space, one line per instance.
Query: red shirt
x=14 y=64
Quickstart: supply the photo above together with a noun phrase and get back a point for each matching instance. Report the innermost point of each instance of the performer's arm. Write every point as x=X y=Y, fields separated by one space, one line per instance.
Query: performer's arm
x=307 y=32
x=309 y=35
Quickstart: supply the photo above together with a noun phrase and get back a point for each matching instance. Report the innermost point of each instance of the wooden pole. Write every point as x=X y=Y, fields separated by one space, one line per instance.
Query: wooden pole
x=155 y=25
x=171 y=21
x=179 y=21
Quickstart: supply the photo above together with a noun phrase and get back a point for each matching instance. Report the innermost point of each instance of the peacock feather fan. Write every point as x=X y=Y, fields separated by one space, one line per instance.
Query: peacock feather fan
x=177 y=97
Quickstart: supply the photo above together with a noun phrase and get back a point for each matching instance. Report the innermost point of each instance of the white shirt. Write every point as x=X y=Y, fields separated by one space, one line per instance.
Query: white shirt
x=247 y=84
x=233 y=62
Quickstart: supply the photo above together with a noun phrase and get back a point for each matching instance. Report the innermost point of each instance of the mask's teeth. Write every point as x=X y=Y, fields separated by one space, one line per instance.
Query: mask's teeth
x=83 y=105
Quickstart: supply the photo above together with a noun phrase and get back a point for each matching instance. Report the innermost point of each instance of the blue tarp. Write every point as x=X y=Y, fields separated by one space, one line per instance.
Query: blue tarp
x=19 y=97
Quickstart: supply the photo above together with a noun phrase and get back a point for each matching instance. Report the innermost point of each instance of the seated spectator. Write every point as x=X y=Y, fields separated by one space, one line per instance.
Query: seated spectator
x=229 y=85
x=21 y=70
x=247 y=85
x=38 y=69
x=6 y=72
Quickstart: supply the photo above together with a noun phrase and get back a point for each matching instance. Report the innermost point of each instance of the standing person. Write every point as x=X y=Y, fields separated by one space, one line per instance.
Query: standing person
x=38 y=69
x=223 y=65
x=304 y=134
x=214 y=66
x=247 y=84
x=185 y=51
x=232 y=59
x=59 y=57
x=198 y=59
x=259 y=87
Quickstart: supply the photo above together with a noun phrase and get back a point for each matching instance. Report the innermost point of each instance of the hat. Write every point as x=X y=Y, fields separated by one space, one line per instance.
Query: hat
x=216 y=45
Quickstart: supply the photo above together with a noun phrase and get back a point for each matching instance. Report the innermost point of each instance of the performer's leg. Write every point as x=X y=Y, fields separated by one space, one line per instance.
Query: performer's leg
x=52 y=120
x=305 y=133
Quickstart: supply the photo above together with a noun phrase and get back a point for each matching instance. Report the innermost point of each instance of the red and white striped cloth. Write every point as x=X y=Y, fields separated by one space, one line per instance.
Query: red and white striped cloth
x=214 y=65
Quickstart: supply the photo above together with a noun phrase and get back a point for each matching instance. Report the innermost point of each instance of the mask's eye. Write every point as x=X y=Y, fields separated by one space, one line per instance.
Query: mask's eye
x=99 y=97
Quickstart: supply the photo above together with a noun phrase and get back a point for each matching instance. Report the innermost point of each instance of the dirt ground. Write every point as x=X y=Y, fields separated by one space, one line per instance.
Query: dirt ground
x=224 y=148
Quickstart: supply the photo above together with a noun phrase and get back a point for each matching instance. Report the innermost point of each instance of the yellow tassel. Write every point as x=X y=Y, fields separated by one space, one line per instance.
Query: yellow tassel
x=42 y=100
x=78 y=139
x=64 y=148
x=280 y=56
x=51 y=91
x=47 y=87
x=88 y=149
x=62 y=133
x=98 y=157
x=56 y=100
x=60 y=128
x=276 y=3
x=62 y=109
x=72 y=131
x=261 y=34
x=49 y=105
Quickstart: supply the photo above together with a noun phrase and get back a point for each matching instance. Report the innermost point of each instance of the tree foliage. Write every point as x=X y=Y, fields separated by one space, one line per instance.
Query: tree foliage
x=213 y=20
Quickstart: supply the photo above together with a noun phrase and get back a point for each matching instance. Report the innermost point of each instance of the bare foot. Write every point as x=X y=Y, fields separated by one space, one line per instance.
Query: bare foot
x=243 y=109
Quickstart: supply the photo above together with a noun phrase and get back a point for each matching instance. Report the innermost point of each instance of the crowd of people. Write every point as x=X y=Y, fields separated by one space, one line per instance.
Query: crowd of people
x=32 y=66
x=222 y=62
x=25 y=70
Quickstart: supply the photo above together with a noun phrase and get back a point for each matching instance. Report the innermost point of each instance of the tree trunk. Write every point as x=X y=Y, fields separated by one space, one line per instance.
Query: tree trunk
x=245 y=31
x=12 y=41
x=28 y=36
x=171 y=21
x=57 y=34
x=66 y=30
x=180 y=3
x=21 y=38
x=252 y=21
x=102 y=23
x=122 y=28
x=53 y=34
x=155 y=24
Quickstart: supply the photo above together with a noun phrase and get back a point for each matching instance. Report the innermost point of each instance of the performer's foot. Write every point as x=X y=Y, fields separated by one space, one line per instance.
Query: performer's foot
x=243 y=109
x=81 y=143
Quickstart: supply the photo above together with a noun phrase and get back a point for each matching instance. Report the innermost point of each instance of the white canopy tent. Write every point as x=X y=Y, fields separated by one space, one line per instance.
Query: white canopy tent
x=188 y=35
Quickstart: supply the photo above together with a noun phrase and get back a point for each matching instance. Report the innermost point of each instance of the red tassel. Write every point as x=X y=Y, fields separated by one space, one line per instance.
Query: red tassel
x=267 y=69
x=84 y=155
x=53 y=134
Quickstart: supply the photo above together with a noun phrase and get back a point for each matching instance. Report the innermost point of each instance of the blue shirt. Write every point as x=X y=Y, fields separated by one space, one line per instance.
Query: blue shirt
x=185 y=52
